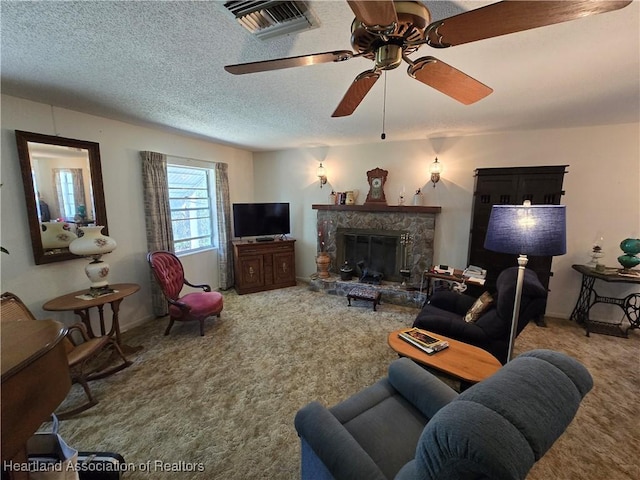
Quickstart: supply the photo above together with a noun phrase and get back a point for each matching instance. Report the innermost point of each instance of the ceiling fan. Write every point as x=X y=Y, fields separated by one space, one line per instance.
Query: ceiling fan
x=387 y=32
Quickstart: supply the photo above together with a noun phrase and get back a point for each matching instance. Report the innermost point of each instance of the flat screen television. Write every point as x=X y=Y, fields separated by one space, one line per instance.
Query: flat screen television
x=261 y=219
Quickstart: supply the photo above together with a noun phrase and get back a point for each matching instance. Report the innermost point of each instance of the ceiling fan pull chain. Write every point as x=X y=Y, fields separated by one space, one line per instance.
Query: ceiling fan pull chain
x=384 y=105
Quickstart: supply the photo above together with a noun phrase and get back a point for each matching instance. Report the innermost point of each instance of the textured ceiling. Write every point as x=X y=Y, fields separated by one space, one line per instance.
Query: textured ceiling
x=161 y=64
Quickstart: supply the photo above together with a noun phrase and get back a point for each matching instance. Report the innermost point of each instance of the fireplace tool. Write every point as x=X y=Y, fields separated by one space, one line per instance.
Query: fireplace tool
x=405 y=272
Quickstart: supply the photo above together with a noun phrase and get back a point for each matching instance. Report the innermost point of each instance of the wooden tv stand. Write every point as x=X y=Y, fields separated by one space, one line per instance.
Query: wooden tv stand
x=263 y=266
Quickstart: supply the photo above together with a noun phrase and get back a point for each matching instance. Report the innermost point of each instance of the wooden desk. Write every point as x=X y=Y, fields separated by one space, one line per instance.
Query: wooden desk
x=465 y=362
x=82 y=307
x=588 y=297
x=35 y=380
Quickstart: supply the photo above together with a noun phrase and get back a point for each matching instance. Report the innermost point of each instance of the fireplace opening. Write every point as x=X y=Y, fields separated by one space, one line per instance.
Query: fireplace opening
x=372 y=252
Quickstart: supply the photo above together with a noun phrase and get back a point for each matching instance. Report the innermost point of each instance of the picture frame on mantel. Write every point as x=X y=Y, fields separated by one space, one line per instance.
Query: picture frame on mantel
x=376 y=178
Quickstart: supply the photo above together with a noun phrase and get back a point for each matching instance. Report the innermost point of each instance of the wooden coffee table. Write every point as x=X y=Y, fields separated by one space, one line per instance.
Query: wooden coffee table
x=465 y=362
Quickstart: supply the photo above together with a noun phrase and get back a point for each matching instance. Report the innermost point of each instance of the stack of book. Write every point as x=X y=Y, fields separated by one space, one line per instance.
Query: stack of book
x=475 y=274
x=629 y=273
x=423 y=340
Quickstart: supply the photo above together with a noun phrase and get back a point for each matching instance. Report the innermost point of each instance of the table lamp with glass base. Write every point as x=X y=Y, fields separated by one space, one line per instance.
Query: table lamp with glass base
x=98 y=272
x=92 y=243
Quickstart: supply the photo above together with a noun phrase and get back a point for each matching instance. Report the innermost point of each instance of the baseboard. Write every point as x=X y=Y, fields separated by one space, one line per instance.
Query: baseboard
x=135 y=323
x=561 y=316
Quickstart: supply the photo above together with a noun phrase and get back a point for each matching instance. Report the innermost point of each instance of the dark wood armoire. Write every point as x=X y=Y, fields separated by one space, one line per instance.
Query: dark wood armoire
x=511 y=186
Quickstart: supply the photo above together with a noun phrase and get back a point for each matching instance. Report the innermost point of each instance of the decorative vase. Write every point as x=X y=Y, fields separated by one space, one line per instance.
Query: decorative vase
x=56 y=235
x=418 y=199
x=630 y=247
x=92 y=243
x=323 y=260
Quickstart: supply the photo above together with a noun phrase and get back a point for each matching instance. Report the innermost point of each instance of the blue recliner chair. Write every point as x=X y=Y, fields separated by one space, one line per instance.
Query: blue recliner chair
x=412 y=426
x=444 y=313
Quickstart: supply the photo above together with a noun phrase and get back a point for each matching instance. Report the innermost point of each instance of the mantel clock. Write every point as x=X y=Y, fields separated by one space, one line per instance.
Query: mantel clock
x=376 y=178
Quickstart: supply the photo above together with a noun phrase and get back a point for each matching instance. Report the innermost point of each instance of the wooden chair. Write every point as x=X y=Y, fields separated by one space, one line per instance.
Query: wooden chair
x=168 y=271
x=82 y=352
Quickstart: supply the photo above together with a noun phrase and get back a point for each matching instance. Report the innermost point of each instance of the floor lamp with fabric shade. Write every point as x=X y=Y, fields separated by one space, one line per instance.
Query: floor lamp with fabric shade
x=526 y=230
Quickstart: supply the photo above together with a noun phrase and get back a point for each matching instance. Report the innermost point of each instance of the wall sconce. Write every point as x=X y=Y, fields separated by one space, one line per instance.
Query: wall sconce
x=322 y=175
x=435 y=170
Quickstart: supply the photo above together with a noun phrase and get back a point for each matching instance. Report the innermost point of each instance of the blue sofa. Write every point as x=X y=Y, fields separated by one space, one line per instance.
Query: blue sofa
x=444 y=313
x=412 y=426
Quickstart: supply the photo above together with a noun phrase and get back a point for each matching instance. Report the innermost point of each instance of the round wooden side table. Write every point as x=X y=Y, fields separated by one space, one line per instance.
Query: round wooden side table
x=81 y=303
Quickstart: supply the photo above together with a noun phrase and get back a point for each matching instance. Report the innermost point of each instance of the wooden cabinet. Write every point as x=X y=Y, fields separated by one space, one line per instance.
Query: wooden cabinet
x=264 y=265
x=511 y=186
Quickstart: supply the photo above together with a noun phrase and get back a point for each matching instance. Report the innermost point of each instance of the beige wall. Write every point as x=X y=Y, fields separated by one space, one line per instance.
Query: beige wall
x=602 y=185
x=120 y=144
x=602 y=191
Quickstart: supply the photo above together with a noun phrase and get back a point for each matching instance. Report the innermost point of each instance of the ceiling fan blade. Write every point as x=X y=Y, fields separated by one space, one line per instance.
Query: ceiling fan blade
x=507 y=17
x=448 y=80
x=356 y=93
x=279 y=63
x=374 y=13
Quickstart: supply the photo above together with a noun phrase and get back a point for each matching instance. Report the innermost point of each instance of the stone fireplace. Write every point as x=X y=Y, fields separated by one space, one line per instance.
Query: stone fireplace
x=341 y=223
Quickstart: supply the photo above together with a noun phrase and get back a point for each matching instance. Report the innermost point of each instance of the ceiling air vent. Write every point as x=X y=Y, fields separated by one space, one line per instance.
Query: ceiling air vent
x=266 y=19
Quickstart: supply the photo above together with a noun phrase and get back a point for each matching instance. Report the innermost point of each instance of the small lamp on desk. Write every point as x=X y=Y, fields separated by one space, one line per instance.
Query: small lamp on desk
x=526 y=230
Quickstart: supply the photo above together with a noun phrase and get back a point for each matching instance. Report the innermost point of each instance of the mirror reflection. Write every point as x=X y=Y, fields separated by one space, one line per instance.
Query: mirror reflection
x=61 y=181
x=63 y=188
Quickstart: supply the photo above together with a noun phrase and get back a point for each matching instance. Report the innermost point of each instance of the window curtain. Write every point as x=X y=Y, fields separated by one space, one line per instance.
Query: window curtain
x=69 y=211
x=223 y=209
x=157 y=217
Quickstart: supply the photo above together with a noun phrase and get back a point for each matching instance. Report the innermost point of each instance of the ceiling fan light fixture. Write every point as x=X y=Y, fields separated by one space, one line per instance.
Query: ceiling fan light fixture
x=412 y=28
x=388 y=56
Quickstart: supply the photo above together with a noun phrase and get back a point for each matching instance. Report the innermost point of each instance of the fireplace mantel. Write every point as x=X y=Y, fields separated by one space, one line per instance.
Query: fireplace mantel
x=378 y=208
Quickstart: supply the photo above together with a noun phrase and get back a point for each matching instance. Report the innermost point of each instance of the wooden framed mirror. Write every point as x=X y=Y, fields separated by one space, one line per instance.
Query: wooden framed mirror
x=62 y=180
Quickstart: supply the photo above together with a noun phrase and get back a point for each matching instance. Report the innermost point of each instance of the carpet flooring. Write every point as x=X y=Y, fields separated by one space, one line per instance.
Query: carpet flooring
x=222 y=406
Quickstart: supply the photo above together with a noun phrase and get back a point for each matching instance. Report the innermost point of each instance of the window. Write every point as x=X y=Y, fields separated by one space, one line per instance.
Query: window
x=69 y=188
x=192 y=210
x=66 y=194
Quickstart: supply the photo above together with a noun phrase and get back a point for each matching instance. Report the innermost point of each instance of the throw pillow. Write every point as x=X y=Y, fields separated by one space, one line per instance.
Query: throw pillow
x=479 y=307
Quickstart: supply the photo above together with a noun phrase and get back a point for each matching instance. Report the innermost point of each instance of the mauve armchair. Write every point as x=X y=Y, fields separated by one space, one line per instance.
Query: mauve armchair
x=198 y=306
